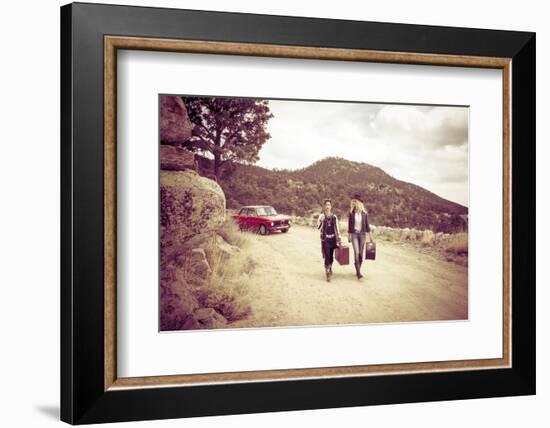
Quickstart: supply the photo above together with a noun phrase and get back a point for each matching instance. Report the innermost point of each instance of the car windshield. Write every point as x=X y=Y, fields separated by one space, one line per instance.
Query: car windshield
x=266 y=211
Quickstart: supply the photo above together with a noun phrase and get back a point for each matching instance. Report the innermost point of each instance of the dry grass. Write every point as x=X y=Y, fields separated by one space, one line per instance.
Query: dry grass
x=226 y=288
x=458 y=244
x=231 y=233
x=187 y=284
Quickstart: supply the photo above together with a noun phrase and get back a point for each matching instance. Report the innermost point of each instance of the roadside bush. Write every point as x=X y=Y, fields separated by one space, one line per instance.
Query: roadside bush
x=227 y=286
x=208 y=274
x=231 y=233
x=458 y=244
x=226 y=301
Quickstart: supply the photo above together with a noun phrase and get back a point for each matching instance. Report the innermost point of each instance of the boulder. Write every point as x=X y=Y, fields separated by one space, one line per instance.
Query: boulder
x=195 y=264
x=202 y=240
x=189 y=205
x=175 y=126
x=176 y=159
x=177 y=302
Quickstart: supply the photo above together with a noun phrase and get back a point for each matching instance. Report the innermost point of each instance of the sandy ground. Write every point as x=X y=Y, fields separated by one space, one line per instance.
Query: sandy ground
x=403 y=284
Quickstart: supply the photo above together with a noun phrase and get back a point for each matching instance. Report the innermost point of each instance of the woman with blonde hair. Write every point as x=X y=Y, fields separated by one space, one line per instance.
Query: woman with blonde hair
x=358 y=227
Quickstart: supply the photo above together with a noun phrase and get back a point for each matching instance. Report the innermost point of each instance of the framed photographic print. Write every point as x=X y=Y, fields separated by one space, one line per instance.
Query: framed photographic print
x=265 y=213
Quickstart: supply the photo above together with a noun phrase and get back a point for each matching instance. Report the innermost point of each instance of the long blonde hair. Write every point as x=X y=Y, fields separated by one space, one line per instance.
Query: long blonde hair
x=358 y=204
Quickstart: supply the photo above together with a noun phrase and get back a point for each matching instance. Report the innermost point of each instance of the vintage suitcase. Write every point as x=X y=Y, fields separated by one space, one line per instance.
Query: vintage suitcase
x=342 y=254
x=370 y=252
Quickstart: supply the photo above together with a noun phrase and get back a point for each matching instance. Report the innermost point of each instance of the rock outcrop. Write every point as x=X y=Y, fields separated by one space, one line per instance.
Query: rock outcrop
x=176 y=298
x=192 y=210
x=176 y=159
x=175 y=126
x=200 y=263
x=189 y=205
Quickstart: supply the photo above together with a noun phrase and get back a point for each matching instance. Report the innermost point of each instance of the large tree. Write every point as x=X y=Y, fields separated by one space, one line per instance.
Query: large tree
x=228 y=129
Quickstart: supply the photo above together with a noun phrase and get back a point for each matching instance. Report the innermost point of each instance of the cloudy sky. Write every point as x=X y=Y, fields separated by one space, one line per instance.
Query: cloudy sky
x=424 y=145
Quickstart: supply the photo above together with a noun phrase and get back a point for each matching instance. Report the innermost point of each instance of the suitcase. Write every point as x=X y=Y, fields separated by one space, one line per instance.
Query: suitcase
x=370 y=251
x=342 y=254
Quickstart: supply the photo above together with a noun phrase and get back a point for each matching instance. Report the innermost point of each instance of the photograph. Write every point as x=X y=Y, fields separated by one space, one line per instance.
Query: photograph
x=289 y=212
x=325 y=214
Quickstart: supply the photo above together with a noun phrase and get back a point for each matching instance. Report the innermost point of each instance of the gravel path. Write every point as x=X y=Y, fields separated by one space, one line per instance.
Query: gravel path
x=403 y=284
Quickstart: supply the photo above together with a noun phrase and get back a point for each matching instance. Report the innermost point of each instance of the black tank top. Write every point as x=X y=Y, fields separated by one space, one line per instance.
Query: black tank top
x=328 y=225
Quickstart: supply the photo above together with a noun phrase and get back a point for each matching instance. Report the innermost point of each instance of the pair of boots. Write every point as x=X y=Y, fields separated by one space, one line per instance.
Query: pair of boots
x=358 y=270
x=328 y=272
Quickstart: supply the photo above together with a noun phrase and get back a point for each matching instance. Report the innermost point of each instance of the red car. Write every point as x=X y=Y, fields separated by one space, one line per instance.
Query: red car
x=261 y=218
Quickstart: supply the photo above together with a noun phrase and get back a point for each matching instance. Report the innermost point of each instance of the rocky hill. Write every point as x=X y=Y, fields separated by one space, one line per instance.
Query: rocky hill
x=198 y=255
x=390 y=202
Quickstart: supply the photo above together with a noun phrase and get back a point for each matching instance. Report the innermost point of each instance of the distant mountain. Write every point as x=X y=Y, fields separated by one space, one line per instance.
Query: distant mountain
x=390 y=202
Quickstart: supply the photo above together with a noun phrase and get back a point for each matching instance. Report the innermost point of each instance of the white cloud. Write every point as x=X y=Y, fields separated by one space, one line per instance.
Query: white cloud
x=424 y=145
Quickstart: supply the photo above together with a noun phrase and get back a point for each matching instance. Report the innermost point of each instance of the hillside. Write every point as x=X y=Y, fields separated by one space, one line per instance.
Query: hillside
x=390 y=202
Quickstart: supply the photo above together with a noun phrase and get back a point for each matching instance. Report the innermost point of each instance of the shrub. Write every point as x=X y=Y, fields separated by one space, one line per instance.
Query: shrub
x=458 y=243
x=230 y=282
x=226 y=300
x=231 y=233
x=189 y=283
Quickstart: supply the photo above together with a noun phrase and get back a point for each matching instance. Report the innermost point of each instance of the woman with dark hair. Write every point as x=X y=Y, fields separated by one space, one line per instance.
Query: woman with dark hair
x=358 y=227
x=330 y=236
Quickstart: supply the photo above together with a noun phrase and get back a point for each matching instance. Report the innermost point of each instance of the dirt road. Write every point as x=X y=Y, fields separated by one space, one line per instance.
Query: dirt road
x=403 y=284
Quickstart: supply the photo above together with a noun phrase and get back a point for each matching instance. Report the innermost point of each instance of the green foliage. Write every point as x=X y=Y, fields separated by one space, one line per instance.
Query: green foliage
x=228 y=129
x=390 y=202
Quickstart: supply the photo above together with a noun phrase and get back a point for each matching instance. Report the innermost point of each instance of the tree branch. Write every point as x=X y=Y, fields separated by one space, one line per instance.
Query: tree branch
x=207 y=144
